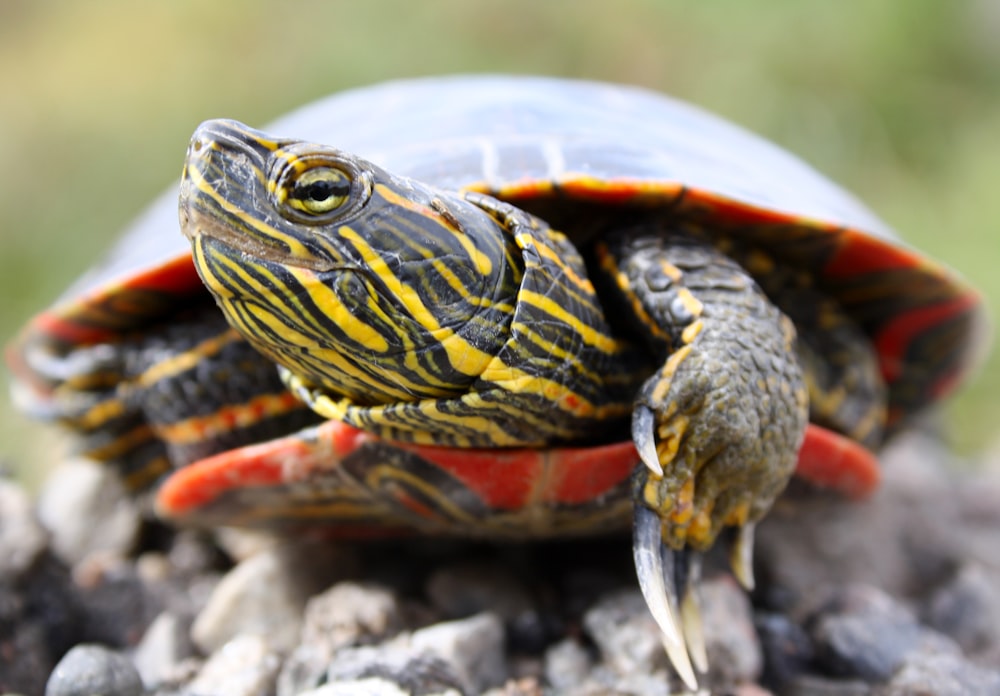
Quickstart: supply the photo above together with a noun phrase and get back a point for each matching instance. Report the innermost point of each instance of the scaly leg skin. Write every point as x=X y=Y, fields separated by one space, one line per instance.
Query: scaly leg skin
x=718 y=427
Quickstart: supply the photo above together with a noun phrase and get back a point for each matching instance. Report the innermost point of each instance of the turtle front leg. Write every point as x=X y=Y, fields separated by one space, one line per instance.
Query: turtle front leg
x=718 y=427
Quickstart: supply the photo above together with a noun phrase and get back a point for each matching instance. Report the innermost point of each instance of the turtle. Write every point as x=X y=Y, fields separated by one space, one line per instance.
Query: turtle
x=500 y=307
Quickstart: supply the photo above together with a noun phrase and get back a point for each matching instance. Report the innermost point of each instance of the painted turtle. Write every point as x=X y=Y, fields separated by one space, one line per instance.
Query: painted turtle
x=536 y=307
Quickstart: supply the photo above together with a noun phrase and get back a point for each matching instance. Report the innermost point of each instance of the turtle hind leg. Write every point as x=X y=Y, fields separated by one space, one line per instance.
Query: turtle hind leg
x=718 y=426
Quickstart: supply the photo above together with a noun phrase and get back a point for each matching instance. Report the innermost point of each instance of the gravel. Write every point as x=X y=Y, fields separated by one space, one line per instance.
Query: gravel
x=895 y=596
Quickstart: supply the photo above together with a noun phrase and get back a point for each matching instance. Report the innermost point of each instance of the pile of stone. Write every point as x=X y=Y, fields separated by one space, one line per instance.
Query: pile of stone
x=897 y=595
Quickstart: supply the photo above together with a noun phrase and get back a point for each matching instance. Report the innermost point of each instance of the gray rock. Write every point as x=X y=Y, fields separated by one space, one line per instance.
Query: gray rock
x=625 y=634
x=93 y=670
x=567 y=664
x=40 y=619
x=787 y=648
x=902 y=539
x=163 y=647
x=865 y=634
x=473 y=587
x=968 y=609
x=473 y=646
x=304 y=669
x=604 y=681
x=371 y=686
x=351 y=613
x=266 y=595
x=86 y=509
x=245 y=666
x=22 y=537
x=117 y=604
x=937 y=674
x=814 y=685
x=347 y=614
x=414 y=670
x=25 y=657
x=734 y=652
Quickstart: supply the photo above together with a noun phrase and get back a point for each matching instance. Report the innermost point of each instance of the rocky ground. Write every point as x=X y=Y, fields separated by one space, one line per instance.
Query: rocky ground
x=900 y=595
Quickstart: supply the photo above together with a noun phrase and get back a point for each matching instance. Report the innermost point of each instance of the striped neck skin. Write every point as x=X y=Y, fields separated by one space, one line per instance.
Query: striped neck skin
x=363 y=284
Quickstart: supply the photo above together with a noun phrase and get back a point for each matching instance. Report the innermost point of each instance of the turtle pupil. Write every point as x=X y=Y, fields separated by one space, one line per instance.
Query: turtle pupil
x=321 y=191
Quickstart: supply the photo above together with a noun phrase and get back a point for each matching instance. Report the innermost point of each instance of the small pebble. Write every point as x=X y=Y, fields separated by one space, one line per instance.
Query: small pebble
x=350 y=613
x=567 y=664
x=734 y=651
x=372 y=686
x=937 y=674
x=265 y=595
x=414 y=670
x=866 y=634
x=815 y=685
x=625 y=633
x=245 y=666
x=473 y=646
x=787 y=648
x=163 y=647
x=93 y=670
x=85 y=507
x=968 y=609
x=22 y=537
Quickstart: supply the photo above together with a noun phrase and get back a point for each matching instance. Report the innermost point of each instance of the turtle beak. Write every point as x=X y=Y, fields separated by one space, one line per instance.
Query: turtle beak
x=668 y=580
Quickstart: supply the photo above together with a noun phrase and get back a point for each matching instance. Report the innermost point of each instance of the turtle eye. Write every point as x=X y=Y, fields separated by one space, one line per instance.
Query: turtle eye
x=319 y=190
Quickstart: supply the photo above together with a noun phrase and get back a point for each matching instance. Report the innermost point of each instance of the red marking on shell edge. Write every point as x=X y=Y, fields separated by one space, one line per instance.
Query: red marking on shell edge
x=268 y=464
x=859 y=253
x=176 y=276
x=504 y=479
x=830 y=460
x=894 y=337
x=512 y=479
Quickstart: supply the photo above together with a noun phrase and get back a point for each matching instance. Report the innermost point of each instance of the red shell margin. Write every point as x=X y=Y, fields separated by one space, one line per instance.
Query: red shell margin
x=214 y=489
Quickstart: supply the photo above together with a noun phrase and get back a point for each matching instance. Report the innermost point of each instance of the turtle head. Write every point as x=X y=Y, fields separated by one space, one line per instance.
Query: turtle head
x=363 y=284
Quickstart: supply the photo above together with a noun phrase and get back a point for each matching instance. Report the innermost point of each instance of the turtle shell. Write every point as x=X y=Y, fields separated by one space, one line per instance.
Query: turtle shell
x=565 y=149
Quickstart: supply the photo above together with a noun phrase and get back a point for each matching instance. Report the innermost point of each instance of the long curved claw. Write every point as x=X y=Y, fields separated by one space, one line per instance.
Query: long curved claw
x=694 y=633
x=644 y=437
x=741 y=555
x=657 y=572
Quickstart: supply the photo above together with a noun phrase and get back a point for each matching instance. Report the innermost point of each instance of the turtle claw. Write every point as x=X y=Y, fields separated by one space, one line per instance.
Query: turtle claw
x=644 y=437
x=741 y=555
x=658 y=569
x=694 y=633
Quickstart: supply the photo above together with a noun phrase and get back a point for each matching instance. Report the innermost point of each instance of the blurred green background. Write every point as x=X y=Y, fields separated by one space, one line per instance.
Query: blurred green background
x=898 y=100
